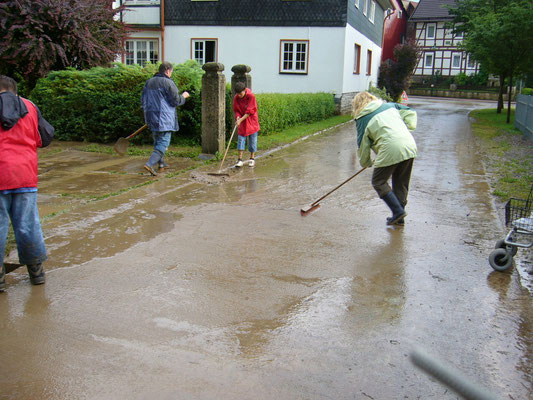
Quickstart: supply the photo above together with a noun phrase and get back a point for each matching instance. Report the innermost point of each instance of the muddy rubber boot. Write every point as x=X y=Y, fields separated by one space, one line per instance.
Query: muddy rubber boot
x=152 y=161
x=162 y=164
x=398 y=212
x=36 y=273
x=2 y=278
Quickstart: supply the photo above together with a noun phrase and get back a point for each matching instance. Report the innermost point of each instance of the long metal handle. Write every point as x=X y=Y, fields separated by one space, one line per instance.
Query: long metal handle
x=346 y=181
x=450 y=377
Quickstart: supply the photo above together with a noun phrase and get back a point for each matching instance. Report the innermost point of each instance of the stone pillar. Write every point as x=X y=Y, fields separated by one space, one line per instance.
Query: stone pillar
x=240 y=74
x=213 y=108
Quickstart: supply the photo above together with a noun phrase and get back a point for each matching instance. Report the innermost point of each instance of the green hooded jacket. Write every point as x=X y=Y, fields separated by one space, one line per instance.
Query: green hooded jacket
x=386 y=133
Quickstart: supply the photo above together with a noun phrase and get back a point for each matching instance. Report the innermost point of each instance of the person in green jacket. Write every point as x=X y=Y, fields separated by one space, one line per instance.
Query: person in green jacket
x=385 y=129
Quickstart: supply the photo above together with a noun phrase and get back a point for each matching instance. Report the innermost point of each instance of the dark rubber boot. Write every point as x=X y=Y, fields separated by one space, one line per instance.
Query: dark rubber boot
x=2 y=278
x=398 y=212
x=36 y=273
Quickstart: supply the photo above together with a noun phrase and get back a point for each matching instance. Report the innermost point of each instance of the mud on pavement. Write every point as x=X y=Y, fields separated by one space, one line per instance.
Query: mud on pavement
x=190 y=289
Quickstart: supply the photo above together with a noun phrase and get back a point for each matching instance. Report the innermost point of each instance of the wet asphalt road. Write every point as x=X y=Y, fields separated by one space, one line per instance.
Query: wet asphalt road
x=207 y=288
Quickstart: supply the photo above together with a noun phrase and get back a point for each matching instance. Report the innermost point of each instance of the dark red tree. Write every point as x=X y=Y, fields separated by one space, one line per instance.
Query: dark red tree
x=395 y=76
x=39 y=36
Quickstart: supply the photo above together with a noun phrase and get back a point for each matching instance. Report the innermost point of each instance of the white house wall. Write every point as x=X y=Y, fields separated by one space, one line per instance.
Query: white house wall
x=359 y=82
x=259 y=47
x=142 y=15
x=145 y=35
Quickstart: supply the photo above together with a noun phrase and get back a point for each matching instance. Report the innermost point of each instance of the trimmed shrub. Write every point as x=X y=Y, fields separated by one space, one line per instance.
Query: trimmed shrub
x=461 y=79
x=103 y=104
x=280 y=111
x=380 y=93
x=527 y=91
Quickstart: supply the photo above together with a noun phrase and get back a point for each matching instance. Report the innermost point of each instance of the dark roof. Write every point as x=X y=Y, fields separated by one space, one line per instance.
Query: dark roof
x=432 y=10
x=257 y=12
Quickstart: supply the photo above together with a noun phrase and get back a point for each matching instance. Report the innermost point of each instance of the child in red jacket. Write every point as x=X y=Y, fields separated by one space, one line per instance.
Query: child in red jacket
x=245 y=108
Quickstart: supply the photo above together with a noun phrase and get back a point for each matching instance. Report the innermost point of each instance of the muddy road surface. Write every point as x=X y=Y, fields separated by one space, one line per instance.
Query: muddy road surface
x=197 y=287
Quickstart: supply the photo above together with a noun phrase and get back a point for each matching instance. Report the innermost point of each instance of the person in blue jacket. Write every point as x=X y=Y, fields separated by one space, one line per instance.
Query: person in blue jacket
x=160 y=97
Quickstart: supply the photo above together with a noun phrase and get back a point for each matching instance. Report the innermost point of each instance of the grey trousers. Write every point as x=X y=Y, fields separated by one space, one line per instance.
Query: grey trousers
x=400 y=174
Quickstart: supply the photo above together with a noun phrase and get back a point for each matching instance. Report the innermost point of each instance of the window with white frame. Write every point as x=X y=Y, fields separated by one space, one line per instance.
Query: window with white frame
x=142 y=2
x=372 y=13
x=365 y=7
x=204 y=50
x=456 y=60
x=428 y=61
x=471 y=63
x=294 y=56
x=356 y=2
x=369 y=62
x=430 y=31
x=357 y=59
x=141 y=51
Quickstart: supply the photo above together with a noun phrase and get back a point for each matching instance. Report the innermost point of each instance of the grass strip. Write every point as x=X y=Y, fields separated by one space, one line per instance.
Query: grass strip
x=507 y=156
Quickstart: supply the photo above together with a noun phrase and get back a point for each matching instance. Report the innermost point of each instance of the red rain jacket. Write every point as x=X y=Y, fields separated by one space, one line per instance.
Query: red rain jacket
x=18 y=151
x=246 y=105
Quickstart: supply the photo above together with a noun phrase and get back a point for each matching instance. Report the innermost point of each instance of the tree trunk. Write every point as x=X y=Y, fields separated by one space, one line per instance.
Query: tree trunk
x=509 y=99
x=500 y=94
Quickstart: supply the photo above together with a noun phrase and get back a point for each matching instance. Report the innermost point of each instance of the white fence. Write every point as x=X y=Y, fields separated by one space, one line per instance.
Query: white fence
x=524 y=115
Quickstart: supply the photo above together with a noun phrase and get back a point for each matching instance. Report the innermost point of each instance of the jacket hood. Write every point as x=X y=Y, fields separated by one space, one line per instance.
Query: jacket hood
x=12 y=108
x=370 y=108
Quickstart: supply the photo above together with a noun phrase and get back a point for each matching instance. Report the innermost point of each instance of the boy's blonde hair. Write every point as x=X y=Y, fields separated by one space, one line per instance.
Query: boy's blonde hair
x=360 y=101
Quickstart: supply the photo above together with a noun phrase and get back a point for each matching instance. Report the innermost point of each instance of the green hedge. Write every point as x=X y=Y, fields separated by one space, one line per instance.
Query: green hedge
x=280 y=111
x=527 y=91
x=103 y=104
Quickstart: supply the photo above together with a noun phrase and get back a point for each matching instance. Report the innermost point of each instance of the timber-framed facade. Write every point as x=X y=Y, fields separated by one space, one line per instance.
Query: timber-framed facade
x=440 y=53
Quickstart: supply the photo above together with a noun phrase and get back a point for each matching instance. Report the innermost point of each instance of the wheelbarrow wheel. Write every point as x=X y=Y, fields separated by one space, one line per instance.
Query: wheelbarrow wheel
x=500 y=259
x=500 y=244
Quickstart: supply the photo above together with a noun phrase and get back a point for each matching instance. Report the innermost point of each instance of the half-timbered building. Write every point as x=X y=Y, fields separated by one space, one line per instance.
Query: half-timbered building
x=440 y=55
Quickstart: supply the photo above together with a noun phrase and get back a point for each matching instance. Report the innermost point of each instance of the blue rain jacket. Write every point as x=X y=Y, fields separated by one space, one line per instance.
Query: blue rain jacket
x=159 y=99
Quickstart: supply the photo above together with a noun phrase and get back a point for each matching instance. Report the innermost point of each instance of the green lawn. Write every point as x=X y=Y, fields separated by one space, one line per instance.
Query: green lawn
x=508 y=156
x=185 y=148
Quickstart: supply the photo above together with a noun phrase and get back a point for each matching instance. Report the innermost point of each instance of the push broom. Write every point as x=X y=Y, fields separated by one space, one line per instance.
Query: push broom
x=316 y=204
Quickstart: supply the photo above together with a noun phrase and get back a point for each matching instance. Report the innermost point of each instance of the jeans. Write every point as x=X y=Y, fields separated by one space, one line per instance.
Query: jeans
x=21 y=209
x=161 y=141
x=252 y=142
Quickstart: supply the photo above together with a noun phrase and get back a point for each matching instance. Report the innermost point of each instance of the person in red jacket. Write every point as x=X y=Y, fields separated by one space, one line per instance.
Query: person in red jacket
x=22 y=130
x=245 y=109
